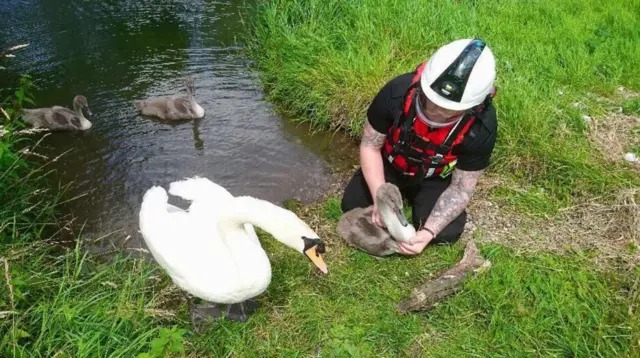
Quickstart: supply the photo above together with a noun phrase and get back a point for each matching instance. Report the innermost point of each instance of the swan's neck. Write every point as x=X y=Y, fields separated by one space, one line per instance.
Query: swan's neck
x=190 y=95
x=282 y=224
x=397 y=230
x=193 y=102
x=83 y=121
x=78 y=110
x=198 y=110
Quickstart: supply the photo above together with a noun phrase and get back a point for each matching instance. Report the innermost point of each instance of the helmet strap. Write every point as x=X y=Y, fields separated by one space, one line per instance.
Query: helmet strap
x=423 y=117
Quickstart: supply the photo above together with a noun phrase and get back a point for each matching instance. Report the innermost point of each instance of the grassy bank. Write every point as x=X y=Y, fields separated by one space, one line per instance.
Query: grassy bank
x=74 y=305
x=323 y=61
x=29 y=200
x=27 y=195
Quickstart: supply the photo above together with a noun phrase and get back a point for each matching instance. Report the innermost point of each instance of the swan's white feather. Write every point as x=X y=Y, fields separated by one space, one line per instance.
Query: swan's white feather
x=220 y=267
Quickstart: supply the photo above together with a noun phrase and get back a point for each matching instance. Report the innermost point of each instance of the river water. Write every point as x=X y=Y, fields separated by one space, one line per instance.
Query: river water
x=116 y=51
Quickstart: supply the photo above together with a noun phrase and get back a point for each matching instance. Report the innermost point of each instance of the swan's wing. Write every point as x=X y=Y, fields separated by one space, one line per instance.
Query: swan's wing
x=63 y=118
x=159 y=227
x=156 y=106
x=349 y=220
x=199 y=188
x=181 y=106
x=356 y=229
x=34 y=117
x=182 y=244
x=56 y=117
x=173 y=209
x=251 y=232
x=156 y=214
x=155 y=101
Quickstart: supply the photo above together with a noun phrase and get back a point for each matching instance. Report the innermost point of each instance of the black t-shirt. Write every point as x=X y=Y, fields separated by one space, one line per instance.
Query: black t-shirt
x=474 y=152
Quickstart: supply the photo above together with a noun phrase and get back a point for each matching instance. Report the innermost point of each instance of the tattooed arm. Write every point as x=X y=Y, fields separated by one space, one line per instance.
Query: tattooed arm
x=371 y=162
x=372 y=138
x=453 y=200
x=370 y=157
x=450 y=204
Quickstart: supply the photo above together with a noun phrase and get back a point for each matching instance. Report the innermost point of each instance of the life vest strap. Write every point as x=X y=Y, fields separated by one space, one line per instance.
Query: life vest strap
x=414 y=148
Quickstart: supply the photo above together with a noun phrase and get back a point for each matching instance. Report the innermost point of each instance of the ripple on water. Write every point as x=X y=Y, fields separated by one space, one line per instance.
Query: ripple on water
x=118 y=51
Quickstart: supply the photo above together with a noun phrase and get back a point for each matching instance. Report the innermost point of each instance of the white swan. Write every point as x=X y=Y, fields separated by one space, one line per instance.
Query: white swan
x=212 y=251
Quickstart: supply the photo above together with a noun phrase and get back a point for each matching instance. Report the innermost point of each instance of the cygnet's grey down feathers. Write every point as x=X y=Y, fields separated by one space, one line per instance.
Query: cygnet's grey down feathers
x=357 y=229
x=59 y=118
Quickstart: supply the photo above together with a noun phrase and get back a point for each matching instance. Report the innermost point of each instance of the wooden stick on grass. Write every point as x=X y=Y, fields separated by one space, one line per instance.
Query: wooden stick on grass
x=446 y=284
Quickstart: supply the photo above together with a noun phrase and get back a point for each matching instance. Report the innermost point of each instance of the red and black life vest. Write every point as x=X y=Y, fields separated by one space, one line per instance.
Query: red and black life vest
x=417 y=150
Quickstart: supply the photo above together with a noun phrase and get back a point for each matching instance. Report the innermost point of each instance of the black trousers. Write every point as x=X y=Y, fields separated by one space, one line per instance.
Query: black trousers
x=421 y=196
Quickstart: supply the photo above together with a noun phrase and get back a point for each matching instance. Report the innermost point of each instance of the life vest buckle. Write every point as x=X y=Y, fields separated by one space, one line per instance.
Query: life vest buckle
x=436 y=159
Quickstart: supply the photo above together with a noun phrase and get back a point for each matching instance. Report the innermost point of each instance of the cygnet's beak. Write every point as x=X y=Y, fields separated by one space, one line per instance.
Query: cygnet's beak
x=400 y=216
x=315 y=257
x=88 y=111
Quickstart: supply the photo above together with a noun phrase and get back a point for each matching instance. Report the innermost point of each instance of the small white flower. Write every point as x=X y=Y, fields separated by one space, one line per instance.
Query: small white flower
x=631 y=157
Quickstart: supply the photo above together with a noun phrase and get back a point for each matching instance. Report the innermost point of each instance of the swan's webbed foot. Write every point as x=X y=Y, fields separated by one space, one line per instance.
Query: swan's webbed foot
x=240 y=312
x=203 y=314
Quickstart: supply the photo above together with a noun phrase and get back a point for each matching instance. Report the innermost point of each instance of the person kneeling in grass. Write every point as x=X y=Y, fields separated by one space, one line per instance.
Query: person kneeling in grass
x=431 y=132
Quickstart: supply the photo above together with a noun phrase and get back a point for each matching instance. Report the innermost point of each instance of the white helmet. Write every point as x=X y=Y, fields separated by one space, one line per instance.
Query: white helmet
x=459 y=75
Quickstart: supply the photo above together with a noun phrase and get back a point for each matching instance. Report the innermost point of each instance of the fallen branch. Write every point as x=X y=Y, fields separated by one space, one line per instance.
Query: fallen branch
x=447 y=284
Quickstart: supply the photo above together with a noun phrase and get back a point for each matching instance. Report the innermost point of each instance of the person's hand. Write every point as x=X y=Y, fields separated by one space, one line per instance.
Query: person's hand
x=416 y=244
x=375 y=217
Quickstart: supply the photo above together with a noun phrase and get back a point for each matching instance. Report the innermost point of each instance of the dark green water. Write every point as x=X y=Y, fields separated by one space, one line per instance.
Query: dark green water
x=116 y=51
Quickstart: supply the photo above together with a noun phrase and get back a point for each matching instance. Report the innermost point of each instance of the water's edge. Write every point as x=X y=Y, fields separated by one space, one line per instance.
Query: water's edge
x=116 y=52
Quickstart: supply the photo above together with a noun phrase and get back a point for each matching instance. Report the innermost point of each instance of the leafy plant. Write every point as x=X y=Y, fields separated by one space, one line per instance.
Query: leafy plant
x=12 y=106
x=169 y=341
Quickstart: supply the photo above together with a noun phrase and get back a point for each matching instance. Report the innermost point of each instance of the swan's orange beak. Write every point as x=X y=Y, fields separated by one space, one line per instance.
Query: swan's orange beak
x=316 y=258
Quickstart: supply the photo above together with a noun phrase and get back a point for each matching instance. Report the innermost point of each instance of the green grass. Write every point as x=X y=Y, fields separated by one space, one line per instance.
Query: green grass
x=27 y=195
x=324 y=60
x=75 y=305
x=29 y=201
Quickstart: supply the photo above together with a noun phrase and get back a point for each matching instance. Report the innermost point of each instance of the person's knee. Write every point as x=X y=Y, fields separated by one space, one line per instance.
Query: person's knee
x=451 y=234
x=356 y=194
x=346 y=204
x=352 y=200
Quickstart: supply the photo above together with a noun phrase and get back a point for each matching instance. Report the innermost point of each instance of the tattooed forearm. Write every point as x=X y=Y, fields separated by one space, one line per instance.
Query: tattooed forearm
x=371 y=137
x=453 y=200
